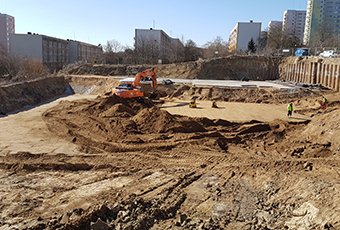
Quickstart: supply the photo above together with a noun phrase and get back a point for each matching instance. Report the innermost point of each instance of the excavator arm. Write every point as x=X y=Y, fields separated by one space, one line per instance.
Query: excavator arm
x=132 y=90
x=146 y=73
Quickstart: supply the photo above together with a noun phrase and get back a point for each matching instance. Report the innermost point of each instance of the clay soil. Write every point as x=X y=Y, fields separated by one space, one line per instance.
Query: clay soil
x=109 y=163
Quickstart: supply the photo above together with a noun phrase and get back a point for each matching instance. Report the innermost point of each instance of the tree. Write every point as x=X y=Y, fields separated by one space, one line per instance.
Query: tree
x=274 y=38
x=251 y=46
x=191 y=51
x=9 y=66
x=217 y=47
x=262 y=42
x=113 y=46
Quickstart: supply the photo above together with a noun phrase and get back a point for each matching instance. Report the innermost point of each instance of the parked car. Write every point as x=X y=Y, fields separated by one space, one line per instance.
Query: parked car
x=328 y=53
x=168 y=82
x=299 y=52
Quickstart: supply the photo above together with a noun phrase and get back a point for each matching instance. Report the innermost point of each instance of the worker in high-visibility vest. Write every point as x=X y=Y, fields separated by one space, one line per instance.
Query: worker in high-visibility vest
x=324 y=102
x=290 y=109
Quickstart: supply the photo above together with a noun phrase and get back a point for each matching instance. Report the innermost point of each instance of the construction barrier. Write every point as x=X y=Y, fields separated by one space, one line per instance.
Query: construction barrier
x=312 y=70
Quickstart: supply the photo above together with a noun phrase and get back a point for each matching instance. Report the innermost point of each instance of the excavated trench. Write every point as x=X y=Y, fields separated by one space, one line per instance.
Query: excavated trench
x=141 y=167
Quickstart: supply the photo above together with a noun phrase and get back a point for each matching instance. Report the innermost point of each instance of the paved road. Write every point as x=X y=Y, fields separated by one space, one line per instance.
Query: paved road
x=225 y=83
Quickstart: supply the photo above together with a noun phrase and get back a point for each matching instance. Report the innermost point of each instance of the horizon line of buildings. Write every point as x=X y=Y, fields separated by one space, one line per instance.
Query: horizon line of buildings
x=311 y=27
x=319 y=22
x=50 y=51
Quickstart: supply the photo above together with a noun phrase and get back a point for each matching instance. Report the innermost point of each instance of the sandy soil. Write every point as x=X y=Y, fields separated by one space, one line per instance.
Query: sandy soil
x=27 y=131
x=233 y=111
x=141 y=167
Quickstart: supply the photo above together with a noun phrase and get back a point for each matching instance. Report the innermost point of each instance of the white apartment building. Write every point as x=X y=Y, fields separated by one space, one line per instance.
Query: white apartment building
x=50 y=51
x=7 y=28
x=294 y=23
x=241 y=34
x=164 y=47
x=322 y=21
x=80 y=51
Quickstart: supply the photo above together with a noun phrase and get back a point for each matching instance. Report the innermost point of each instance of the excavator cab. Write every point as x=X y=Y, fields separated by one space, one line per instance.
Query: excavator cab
x=133 y=88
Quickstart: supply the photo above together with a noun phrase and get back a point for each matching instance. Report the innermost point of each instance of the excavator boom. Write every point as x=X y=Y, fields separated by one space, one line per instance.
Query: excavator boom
x=133 y=90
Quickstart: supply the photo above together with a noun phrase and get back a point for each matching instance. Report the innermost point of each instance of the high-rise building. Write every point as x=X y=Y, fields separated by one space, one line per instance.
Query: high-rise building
x=294 y=24
x=156 y=44
x=322 y=21
x=6 y=29
x=242 y=34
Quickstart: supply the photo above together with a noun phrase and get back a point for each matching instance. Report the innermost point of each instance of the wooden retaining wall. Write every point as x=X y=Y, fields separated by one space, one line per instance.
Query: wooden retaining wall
x=312 y=70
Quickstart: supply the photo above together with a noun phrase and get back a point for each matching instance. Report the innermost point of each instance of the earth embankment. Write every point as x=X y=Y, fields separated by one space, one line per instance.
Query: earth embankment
x=26 y=94
x=227 y=68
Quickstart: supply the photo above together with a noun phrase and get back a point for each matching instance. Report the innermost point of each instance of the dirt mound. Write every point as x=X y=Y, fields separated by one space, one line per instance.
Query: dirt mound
x=154 y=120
x=323 y=131
x=116 y=124
x=120 y=125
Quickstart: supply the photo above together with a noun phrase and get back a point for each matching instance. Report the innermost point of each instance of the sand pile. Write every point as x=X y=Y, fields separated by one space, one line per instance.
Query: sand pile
x=116 y=124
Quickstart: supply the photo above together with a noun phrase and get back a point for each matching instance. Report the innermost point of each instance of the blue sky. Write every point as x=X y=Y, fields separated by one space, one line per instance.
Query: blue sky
x=102 y=20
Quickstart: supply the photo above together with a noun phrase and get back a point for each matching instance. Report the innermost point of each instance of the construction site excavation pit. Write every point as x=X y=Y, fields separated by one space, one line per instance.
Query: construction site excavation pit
x=94 y=160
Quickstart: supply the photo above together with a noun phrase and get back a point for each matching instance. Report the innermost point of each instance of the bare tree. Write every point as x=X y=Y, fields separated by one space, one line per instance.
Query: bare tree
x=216 y=48
x=274 y=39
x=113 y=46
x=9 y=67
x=191 y=51
x=290 y=41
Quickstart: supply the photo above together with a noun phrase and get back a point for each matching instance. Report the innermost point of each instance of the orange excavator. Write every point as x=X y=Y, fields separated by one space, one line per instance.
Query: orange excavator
x=133 y=89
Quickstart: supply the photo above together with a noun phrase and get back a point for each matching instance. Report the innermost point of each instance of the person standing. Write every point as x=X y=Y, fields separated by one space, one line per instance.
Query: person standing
x=324 y=102
x=290 y=109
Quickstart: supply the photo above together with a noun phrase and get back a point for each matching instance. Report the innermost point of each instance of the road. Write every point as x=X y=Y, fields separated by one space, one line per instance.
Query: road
x=222 y=83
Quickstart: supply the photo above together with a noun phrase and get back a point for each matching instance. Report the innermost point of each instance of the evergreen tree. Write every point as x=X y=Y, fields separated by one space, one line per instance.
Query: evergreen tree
x=251 y=46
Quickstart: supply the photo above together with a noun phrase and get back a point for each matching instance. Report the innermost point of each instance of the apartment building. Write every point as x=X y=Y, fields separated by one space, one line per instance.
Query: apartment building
x=80 y=51
x=322 y=22
x=7 y=27
x=294 y=24
x=241 y=34
x=158 y=44
x=52 y=52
